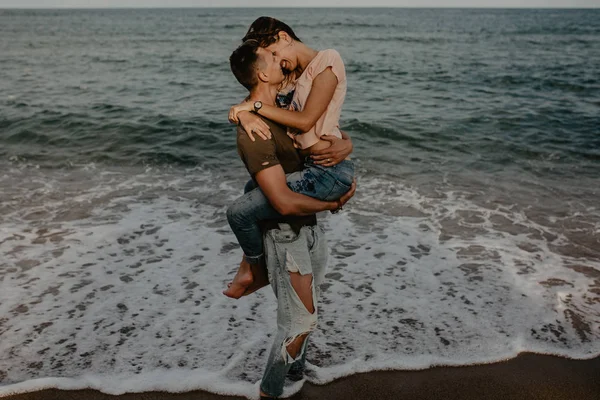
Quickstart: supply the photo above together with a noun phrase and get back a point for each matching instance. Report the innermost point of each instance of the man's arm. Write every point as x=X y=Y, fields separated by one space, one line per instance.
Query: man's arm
x=287 y=202
x=337 y=152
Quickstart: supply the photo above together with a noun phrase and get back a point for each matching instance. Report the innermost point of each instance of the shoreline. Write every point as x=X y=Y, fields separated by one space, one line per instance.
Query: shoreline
x=527 y=376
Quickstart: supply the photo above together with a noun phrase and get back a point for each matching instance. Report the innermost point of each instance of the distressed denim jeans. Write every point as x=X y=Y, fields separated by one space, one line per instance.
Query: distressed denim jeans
x=244 y=215
x=288 y=252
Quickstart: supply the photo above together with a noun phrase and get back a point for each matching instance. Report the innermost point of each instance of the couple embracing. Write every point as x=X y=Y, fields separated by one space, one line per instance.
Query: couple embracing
x=289 y=140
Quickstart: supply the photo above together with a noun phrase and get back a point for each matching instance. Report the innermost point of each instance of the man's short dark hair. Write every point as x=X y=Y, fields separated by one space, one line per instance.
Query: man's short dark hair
x=243 y=61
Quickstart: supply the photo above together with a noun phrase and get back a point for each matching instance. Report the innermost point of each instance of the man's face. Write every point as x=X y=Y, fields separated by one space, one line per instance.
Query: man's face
x=271 y=66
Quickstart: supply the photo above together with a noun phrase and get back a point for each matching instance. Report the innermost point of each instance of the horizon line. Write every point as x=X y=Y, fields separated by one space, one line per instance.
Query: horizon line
x=591 y=7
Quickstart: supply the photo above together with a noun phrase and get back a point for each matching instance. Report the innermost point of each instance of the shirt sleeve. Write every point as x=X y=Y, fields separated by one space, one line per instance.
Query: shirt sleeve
x=331 y=58
x=258 y=155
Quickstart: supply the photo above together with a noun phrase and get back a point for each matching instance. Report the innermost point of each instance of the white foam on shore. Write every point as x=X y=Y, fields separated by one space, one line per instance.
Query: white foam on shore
x=112 y=280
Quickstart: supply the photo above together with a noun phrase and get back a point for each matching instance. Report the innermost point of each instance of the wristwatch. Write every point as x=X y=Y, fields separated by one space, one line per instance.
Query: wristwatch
x=257 y=106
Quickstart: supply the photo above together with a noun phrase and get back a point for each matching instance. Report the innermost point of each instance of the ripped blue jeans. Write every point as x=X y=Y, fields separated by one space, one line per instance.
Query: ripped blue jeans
x=244 y=215
x=287 y=252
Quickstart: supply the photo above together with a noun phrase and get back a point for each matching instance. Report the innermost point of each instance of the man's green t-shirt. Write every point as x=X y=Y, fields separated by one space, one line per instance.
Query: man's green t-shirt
x=262 y=154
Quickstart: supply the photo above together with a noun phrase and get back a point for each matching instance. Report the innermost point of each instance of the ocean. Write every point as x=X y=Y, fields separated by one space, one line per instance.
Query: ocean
x=474 y=234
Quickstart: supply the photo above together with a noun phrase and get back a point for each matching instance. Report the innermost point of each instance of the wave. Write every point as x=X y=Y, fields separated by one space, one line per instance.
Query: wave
x=407 y=39
x=183 y=380
x=119 y=260
x=113 y=133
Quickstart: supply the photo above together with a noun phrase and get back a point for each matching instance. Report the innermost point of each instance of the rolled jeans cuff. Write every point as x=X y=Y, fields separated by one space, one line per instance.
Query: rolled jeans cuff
x=253 y=259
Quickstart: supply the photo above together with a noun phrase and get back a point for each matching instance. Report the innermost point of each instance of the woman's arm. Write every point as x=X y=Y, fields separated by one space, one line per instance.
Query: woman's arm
x=320 y=95
x=254 y=125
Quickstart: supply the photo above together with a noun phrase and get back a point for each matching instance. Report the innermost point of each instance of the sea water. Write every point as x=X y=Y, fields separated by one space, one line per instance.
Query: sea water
x=474 y=234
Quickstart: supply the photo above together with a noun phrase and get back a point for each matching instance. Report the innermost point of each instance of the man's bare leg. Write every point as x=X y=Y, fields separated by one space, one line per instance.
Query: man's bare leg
x=242 y=279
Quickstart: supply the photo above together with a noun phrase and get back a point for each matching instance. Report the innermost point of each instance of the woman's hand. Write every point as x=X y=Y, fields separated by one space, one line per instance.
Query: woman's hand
x=347 y=196
x=253 y=124
x=339 y=150
x=238 y=108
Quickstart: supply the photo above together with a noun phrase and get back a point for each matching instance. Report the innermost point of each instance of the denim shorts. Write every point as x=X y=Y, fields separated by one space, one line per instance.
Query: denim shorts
x=323 y=183
x=245 y=214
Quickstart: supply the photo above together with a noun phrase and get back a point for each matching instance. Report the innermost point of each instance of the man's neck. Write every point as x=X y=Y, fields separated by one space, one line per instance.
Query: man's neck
x=265 y=93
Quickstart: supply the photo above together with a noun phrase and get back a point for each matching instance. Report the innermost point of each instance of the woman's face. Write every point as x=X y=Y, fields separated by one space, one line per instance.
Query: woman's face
x=285 y=52
x=271 y=66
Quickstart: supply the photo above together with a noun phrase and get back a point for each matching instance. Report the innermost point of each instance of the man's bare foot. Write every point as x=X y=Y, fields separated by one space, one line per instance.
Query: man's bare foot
x=242 y=279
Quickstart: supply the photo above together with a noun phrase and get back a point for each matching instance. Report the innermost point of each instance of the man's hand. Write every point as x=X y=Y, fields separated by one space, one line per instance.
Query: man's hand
x=253 y=124
x=347 y=196
x=334 y=154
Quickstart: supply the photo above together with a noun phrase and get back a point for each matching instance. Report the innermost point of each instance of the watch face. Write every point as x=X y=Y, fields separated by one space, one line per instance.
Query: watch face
x=257 y=105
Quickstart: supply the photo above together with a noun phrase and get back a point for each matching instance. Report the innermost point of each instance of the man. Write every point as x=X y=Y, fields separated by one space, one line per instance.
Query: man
x=295 y=247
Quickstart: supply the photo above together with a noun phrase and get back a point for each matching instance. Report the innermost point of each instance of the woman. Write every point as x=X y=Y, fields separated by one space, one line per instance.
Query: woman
x=313 y=120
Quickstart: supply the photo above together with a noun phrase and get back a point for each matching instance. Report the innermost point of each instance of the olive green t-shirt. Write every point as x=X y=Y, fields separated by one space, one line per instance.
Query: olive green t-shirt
x=262 y=154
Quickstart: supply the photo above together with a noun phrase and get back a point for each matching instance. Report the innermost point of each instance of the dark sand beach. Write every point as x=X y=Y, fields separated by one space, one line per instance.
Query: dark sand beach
x=529 y=376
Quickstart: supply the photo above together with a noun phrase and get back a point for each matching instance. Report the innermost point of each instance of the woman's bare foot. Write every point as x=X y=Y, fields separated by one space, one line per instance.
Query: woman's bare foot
x=242 y=279
x=261 y=278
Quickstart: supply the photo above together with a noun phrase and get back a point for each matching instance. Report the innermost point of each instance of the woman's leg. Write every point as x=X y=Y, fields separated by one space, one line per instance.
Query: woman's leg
x=245 y=214
x=323 y=183
x=250 y=185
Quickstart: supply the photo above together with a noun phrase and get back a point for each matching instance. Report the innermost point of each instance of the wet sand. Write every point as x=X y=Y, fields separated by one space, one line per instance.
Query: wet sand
x=528 y=376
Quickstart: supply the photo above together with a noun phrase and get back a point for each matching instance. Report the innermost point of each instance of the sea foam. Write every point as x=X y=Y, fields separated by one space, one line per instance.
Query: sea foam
x=112 y=280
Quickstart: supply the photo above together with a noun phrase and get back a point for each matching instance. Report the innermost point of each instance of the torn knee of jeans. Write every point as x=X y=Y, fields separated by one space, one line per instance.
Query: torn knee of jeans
x=309 y=306
x=290 y=263
x=293 y=347
x=298 y=260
